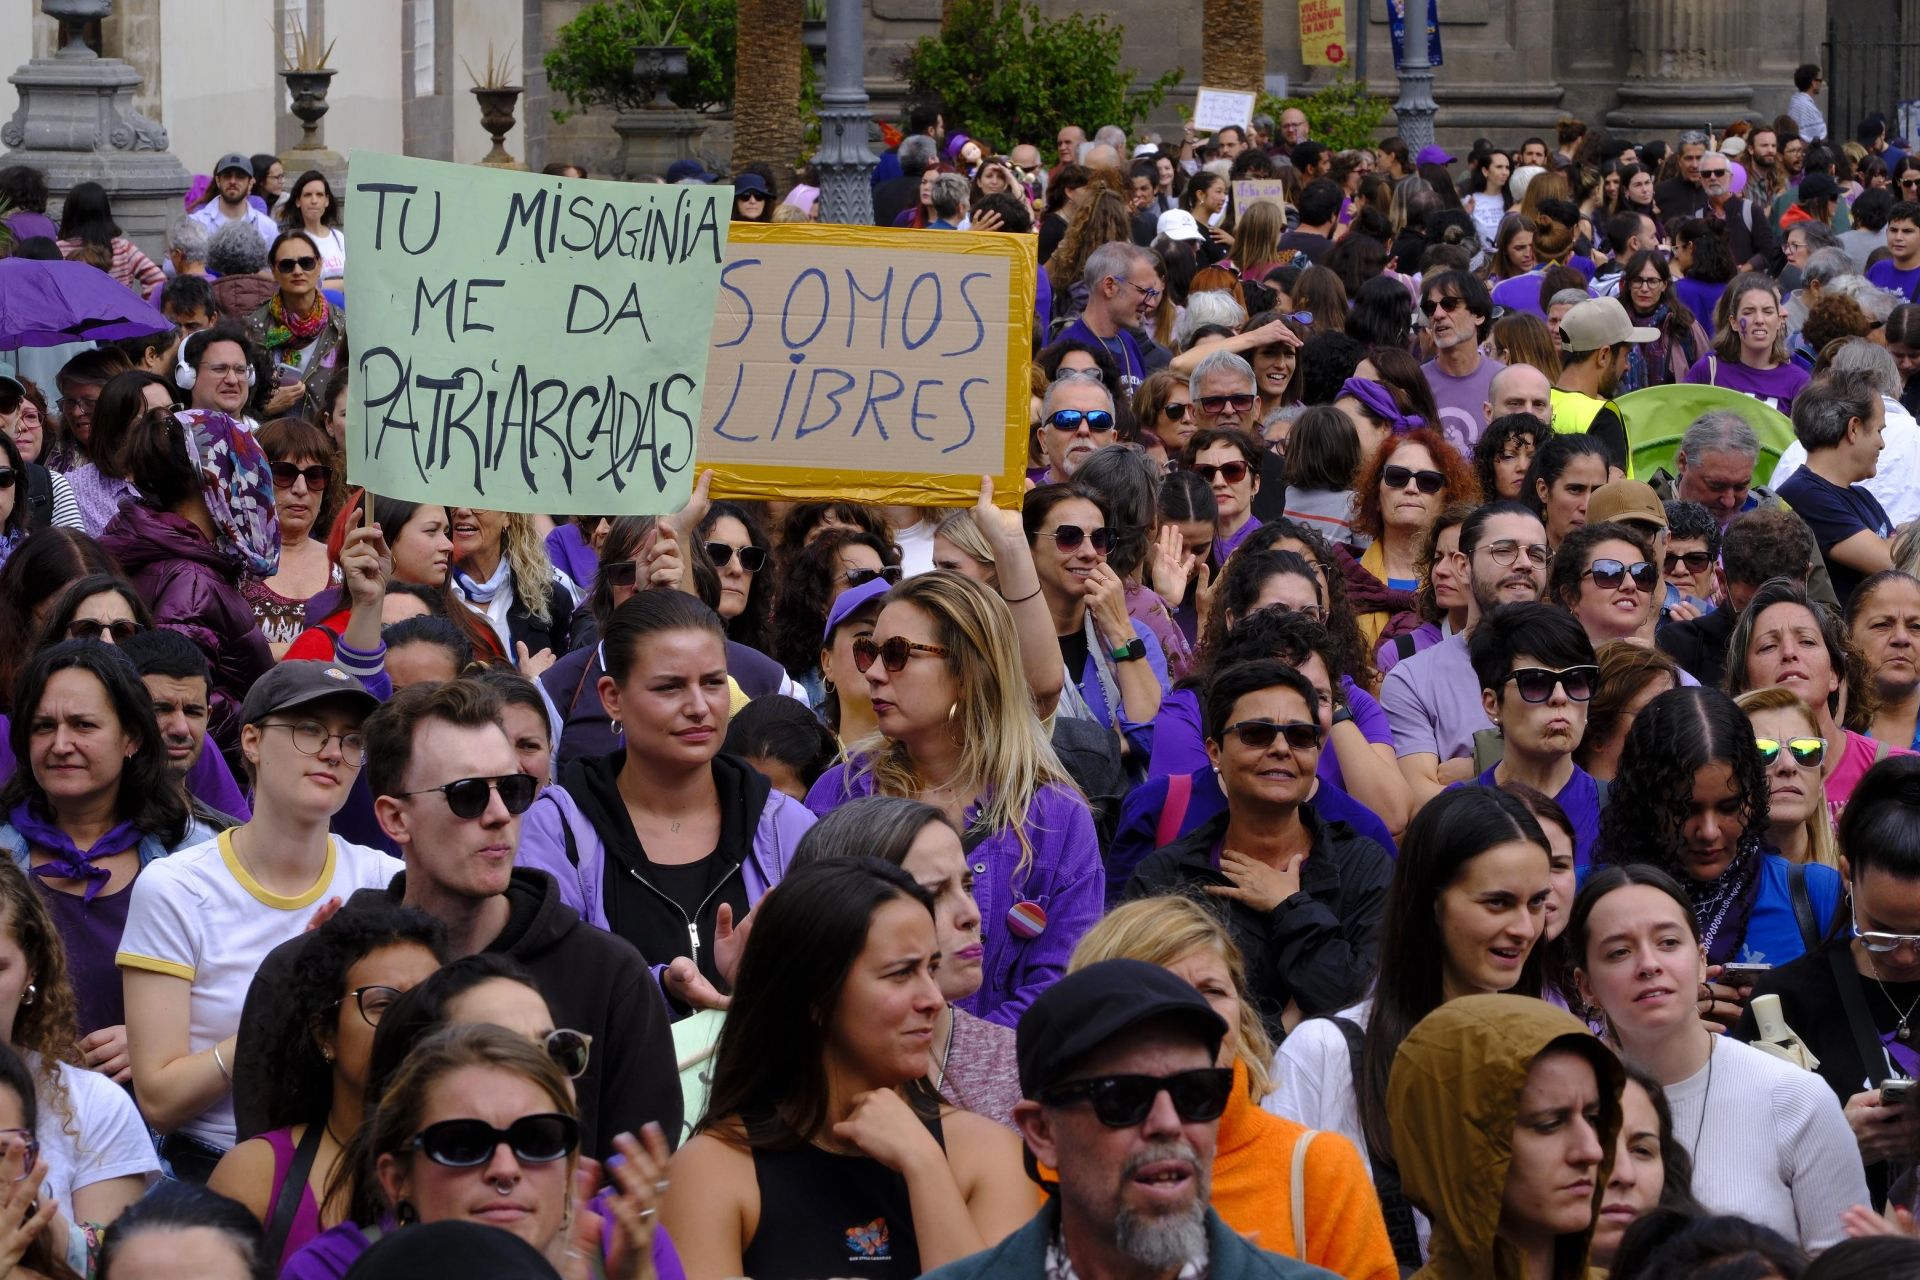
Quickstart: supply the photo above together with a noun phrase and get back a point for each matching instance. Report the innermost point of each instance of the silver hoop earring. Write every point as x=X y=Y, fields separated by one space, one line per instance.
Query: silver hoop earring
x=27 y=997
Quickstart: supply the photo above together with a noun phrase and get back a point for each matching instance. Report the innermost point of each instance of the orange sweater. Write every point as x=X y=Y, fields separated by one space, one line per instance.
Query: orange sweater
x=1253 y=1191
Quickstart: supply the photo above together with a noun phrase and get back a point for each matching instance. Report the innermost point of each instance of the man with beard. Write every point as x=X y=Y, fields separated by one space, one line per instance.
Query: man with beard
x=1122 y=1101
x=1076 y=417
x=177 y=678
x=1458 y=311
x=1433 y=698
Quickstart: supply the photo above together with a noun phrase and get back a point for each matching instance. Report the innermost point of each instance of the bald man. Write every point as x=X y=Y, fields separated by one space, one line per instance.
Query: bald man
x=1519 y=388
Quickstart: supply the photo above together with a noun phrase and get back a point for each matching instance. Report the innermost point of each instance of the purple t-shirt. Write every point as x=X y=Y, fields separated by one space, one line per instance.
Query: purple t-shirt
x=1461 y=400
x=1890 y=277
x=1581 y=800
x=1776 y=386
x=1179 y=742
x=1120 y=348
x=1701 y=297
x=1433 y=702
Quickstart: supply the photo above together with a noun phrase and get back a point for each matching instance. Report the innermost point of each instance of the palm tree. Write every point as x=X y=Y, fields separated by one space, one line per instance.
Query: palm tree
x=766 y=86
x=1233 y=45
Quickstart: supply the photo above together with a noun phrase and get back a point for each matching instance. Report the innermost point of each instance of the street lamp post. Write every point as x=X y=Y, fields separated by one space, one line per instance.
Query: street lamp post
x=844 y=161
x=1415 y=107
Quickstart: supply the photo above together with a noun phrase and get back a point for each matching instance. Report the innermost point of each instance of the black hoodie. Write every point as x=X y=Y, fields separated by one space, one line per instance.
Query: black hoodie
x=593 y=981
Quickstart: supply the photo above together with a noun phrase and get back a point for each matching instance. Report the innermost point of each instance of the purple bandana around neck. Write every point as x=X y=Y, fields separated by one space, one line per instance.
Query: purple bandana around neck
x=69 y=861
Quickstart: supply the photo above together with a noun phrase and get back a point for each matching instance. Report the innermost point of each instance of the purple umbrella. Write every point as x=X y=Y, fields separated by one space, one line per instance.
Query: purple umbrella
x=44 y=304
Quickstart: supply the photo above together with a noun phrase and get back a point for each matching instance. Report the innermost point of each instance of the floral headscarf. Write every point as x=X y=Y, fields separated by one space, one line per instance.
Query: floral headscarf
x=237 y=483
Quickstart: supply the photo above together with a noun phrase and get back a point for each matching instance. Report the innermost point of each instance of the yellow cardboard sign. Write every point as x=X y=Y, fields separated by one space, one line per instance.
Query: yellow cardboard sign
x=1252 y=191
x=873 y=364
x=1323 y=32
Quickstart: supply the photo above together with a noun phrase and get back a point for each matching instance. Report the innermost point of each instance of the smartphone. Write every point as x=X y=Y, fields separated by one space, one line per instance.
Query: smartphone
x=1895 y=1089
x=1742 y=975
x=285 y=375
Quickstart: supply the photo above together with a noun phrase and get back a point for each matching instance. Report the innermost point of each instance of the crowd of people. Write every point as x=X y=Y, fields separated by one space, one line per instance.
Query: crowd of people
x=1353 y=818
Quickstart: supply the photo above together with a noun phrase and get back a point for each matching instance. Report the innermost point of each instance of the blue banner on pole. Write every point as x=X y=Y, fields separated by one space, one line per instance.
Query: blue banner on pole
x=1397 y=26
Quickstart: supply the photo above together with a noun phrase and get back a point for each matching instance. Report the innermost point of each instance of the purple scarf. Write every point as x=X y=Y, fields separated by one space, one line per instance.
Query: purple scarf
x=1379 y=402
x=1722 y=906
x=70 y=862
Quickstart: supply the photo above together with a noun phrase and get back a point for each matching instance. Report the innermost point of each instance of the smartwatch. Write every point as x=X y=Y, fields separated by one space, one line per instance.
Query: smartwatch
x=1131 y=651
x=1343 y=715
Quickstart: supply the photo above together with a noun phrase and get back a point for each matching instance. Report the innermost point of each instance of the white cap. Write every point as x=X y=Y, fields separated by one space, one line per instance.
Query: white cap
x=1145 y=149
x=1178 y=224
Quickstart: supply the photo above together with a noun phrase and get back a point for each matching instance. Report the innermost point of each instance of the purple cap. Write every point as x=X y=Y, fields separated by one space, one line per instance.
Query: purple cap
x=849 y=603
x=1431 y=154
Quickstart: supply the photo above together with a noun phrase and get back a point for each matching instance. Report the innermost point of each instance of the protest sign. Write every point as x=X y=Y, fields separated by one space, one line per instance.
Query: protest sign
x=528 y=343
x=1252 y=191
x=1323 y=32
x=1217 y=108
x=886 y=366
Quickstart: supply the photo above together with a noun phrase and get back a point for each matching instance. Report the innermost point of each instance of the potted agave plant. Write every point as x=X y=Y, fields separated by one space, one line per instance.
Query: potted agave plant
x=657 y=60
x=308 y=76
x=496 y=94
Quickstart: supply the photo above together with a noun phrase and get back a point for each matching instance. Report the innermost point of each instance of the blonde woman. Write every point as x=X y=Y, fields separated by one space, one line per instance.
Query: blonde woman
x=989 y=546
x=958 y=731
x=1259 y=1154
x=502 y=571
x=1793 y=752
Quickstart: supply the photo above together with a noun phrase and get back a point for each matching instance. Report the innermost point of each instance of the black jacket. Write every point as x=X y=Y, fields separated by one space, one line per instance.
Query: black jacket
x=1316 y=949
x=594 y=983
x=1699 y=644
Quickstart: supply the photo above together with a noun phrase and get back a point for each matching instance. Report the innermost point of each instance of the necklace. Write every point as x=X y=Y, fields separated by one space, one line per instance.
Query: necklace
x=946 y=1053
x=1706 y=1095
x=1902 y=1033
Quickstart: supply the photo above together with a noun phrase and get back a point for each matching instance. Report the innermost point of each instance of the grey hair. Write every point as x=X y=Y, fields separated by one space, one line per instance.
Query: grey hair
x=1721 y=431
x=1059 y=384
x=1818 y=235
x=1826 y=405
x=1871 y=360
x=1081 y=152
x=1114 y=258
x=1210 y=306
x=1827 y=264
x=1111 y=135
x=236 y=250
x=1569 y=296
x=188 y=239
x=882 y=827
x=1693 y=137
x=1264 y=124
x=918 y=153
x=1220 y=361
x=949 y=194
x=1869 y=297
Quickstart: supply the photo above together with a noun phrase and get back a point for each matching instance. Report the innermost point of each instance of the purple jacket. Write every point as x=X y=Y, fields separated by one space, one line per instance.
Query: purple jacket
x=194 y=588
x=328 y=1255
x=1065 y=879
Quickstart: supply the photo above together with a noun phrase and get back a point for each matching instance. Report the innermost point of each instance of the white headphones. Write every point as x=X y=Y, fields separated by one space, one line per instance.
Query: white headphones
x=185 y=375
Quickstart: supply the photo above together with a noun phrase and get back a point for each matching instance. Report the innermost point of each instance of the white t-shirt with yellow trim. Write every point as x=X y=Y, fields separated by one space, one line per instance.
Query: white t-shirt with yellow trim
x=201 y=916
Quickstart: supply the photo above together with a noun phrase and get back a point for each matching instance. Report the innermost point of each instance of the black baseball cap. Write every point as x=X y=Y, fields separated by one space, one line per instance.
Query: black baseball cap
x=454 y=1247
x=1090 y=1006
x=295 y=684
x=1818 y=186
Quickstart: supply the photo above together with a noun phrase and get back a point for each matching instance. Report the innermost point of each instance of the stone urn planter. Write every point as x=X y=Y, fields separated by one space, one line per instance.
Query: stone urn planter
x=657 y=66
x=496 y=117
x=309 y=90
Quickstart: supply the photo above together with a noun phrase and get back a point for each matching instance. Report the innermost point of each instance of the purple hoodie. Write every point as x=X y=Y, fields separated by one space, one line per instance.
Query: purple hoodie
x=1065 y=879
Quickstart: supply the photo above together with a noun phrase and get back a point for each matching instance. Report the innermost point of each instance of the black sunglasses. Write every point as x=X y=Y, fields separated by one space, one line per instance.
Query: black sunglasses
x=7 y=477
x=569 y=1050
x=1214 y=404
x=1608 y=574
x=316 y=476
x=1696 y=561
x=122 y=630
x=1068 y=537
x=752 y=559
x=861 y=577
x=1258 y=735
x=1448 y=304
x=1098 y=421
x=302 y=263
x=468 y=797
x=1428 y=482
x=1176 y=411
x=467 y=1144
x=620 y=573
x=893 y=655
x=1535 y=684
x=1123 y=1101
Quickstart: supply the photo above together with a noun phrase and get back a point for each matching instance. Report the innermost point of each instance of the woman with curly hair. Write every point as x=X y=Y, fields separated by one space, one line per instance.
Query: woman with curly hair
x=502 y=573
x=1101 y=218
x=316 y=1046
x=814 y=578
x=1504 y=453
x=99 y=1157
x=1691 y=799
x=1397 y=496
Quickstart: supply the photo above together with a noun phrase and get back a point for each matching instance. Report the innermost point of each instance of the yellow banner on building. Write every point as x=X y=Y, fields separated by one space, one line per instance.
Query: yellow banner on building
x=1323 y=32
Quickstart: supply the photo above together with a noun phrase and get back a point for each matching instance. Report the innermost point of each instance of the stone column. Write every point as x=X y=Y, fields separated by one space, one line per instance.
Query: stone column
x=77 y=123
x=1683 y=57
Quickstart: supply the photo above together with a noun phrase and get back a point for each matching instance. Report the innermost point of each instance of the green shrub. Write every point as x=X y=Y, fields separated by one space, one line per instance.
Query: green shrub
x=591 y=62
x=1008 y=73
x=1344 y=114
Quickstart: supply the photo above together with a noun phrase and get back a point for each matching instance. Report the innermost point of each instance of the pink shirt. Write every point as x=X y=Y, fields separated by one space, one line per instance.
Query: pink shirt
x=1855 y=759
